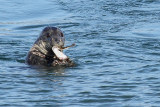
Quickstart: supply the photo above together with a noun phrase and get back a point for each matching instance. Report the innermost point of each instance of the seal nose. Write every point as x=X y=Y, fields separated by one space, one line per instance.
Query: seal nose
x=61 y=42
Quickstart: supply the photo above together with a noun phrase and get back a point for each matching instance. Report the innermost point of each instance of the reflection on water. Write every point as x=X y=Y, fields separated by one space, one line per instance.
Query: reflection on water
x=117 y=53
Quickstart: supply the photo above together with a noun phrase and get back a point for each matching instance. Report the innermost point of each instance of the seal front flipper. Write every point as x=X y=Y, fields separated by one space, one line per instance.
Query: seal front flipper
x=60 y=58
x=67 y=62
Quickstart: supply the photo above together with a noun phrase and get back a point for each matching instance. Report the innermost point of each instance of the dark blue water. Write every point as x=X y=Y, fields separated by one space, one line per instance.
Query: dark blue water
x=117 y=53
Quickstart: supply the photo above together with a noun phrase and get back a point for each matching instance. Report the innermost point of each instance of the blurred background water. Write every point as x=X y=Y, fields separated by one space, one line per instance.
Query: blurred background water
x=117 y=53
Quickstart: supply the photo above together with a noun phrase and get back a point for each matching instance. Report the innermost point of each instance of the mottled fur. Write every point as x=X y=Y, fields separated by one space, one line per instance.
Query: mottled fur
x=41 y=52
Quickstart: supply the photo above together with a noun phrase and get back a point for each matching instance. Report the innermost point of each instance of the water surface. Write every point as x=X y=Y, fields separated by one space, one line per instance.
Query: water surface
x=117 y=53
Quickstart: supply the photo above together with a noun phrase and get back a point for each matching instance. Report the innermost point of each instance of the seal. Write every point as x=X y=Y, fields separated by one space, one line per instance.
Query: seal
x=48 y=49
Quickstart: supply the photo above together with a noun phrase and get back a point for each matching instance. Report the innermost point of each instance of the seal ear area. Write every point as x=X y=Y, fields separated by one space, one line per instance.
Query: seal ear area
x=60 y=33
x=48 y=35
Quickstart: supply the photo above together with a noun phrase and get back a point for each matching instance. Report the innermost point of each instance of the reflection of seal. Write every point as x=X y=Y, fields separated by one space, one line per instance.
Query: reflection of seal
x=47 y=49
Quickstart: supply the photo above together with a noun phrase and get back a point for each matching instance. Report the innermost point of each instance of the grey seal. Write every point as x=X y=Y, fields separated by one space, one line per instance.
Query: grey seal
x=48 y=49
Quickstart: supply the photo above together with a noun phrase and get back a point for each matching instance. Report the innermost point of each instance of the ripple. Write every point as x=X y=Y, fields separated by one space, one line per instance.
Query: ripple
x=99 y=100
x=117 y=53
x=61 y=25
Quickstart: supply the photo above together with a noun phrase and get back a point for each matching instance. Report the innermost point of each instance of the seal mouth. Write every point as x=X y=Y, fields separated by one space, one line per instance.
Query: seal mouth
x=58 y=52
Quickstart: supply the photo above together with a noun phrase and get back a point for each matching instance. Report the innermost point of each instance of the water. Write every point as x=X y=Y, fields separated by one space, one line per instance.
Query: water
x=117 y=53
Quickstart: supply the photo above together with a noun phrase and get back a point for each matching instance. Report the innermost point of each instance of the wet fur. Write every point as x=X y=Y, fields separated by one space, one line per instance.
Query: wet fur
x=41 y=52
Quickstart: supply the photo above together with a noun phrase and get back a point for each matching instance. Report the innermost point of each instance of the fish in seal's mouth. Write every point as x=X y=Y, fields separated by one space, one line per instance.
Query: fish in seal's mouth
x=59 y=52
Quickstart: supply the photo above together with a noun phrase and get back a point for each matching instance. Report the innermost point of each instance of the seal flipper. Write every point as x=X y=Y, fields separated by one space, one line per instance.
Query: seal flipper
x=67 y=62
x=61 y=59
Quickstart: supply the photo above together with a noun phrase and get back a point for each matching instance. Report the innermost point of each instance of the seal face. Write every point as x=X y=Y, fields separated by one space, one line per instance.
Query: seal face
x=47 y=49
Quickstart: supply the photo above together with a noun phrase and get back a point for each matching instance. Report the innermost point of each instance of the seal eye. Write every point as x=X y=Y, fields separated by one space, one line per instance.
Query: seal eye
x=62 y=35
x=48 y=35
